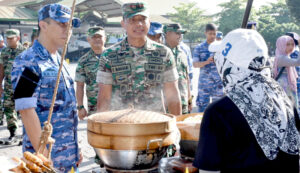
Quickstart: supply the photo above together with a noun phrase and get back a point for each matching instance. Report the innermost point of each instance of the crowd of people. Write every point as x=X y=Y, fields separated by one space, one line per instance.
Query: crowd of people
x=250 y=101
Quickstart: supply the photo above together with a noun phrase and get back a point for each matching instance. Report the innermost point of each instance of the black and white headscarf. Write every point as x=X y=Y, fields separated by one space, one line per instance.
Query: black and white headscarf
x=263 y=103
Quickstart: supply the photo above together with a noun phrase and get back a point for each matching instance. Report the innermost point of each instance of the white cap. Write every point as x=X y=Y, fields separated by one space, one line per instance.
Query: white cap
x=241 y=46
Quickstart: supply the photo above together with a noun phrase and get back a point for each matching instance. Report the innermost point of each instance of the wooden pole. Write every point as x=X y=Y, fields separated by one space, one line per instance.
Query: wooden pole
x=247 y=13
x=61 y=62
x=45 y=137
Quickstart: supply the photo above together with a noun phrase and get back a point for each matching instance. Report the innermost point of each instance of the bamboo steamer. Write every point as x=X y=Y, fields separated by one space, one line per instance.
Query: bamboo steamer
x=130 y=142
x=131 y=129
x=105 y=127
x=188 y=130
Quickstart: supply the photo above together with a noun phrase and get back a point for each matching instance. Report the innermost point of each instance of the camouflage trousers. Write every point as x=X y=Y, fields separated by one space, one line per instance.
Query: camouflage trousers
x=9 y=110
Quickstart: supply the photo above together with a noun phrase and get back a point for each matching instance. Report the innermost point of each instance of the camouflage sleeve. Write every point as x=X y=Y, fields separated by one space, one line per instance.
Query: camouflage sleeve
x=80 y=74
x=25 y=78
x=104 y=75
x=170 y=73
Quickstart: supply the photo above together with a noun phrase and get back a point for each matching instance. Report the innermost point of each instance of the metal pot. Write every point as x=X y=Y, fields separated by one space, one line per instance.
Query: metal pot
x=132 y=159
x=188 y=148
x=189 y=136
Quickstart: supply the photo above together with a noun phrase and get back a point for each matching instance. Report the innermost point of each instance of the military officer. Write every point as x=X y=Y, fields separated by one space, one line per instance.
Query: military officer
x=8 y=55
x=210 y=85
x=2 y=46
x=136 y=70
x=87 y=69
x=173 y=35
x=34 y=77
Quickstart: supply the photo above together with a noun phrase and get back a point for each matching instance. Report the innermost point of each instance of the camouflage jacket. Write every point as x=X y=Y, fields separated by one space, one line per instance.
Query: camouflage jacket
x=86 y=72
x=183 y=72
x=137 y=75
x=7 y=59
x=36 y=61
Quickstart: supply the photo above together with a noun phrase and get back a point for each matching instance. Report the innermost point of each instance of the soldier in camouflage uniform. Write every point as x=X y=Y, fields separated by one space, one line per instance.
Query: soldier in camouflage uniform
x=86 y=72
x=7 y=58
x=2 y=46
x=173 y=35
x=137 y=70
x=34 y=77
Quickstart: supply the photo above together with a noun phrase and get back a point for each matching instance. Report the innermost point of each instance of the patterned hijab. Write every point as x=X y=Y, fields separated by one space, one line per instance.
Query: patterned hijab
x=244 y=66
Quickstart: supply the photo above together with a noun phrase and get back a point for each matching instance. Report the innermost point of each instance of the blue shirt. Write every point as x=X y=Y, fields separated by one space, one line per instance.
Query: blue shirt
x=64 y=119
x=201 y=54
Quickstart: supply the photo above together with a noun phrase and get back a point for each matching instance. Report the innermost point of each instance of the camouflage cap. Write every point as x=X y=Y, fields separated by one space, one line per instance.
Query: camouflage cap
x=132 y=9
x=58 y=13
x=96 y=30
x=155 y=28
x=12 y=33
x=175 y=27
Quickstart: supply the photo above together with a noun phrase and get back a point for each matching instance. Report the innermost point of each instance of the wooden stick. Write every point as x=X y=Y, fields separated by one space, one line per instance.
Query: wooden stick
x=61 y=63
x=247 y=13
x=45 y=137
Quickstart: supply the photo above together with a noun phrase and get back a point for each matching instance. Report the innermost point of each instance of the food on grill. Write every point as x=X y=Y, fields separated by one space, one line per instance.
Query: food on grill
x=131 y=116
x=32 y=163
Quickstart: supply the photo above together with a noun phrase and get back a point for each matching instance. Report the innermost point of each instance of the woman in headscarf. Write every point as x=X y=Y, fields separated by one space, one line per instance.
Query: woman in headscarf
x=284 y=70
x=252 y=129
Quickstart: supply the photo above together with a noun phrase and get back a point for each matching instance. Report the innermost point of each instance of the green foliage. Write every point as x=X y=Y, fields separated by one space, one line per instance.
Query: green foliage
x=191 y=18
x=273 y=20
x=294 y=6
x=231 y=16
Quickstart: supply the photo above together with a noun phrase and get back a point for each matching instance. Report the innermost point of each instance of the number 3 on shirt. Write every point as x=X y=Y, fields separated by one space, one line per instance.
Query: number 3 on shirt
x=227 y=49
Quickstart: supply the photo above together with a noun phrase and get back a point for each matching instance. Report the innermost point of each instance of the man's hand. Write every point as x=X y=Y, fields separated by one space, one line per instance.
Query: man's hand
x=82 y=113
x=210 y=60
x=203 y=63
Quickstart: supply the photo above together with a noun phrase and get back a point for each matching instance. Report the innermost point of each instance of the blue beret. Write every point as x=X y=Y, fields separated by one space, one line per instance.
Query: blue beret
x=155 y=28
x=59 y=13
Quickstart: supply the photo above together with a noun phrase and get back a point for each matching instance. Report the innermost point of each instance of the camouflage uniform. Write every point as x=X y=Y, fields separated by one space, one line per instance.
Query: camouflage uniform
x=1 y=101
x=182 y=68
x=7 y=58
x=64 y=117
x=137 y=74
x=210 y=85
x=181 y=65
x=86 y=72
x=35 y=71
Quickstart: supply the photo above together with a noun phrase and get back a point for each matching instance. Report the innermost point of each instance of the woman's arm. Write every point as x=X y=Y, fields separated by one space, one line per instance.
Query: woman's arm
x=285 y=61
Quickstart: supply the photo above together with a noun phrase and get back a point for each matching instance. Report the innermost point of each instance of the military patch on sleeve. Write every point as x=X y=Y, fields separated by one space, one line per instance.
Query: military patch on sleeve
x=26 y=85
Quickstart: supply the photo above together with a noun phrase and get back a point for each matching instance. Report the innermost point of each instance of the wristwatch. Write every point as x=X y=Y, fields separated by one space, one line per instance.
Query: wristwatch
x=80 y=107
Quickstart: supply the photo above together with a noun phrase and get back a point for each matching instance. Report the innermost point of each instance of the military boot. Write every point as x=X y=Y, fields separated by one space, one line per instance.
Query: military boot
x=13 y=139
